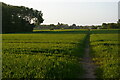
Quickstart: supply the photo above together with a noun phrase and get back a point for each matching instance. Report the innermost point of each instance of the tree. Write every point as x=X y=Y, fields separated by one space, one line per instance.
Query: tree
x=74 y=25
x=18 y=18
x=104 y=26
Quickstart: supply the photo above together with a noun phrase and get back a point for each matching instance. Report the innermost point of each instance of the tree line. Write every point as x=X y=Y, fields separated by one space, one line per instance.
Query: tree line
x=19 y=18
x=111 y=25
x=74 y=26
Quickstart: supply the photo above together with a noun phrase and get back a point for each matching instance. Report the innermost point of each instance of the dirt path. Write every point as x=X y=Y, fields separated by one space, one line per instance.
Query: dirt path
x=88 y=64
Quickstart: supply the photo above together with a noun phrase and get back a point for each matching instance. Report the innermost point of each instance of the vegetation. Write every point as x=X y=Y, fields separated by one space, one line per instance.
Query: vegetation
x=42 y=55
x=57 y=54
x=74 y=26
x=105 y=31
x=104 y=49
x=18 y=18
x=63 y=31
x=111 y=25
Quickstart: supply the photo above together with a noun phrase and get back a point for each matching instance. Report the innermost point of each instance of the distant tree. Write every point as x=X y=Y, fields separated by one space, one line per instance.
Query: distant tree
x=73 y=24
x=110 y=25
x=58 y=23
x=104 y=26
x=52 y=25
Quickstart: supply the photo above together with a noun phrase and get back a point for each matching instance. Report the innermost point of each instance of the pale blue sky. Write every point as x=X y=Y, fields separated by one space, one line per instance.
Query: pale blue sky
x=80 y=12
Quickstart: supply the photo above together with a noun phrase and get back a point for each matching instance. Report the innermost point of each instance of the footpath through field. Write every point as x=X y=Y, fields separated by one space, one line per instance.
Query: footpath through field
x=87 y=62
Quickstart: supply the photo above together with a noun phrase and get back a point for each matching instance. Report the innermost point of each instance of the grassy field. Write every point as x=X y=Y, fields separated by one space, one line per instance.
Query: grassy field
x=54 y=54
x=42 y=55
x=104 y=49
x=105 y=31
x=63 y=31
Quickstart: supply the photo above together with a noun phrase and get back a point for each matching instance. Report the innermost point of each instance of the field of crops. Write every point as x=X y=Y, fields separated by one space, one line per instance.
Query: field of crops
x=105 y=31
x=42 y=55
x=58 y=53
x=63 y=31
x=104 y=49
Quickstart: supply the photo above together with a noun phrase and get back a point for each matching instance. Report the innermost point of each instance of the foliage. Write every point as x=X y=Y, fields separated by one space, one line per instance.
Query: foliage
x=104 y=49
x=48 y=56
x=111 y=25
x=63 y=31
x=53 y=54
x=18 y=18
x=105 y=31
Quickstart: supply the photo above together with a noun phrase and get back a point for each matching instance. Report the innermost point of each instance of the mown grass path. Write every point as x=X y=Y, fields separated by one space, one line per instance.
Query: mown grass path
x=88 y=64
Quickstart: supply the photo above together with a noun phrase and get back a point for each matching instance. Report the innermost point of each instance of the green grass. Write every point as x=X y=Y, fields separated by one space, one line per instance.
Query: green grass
x=63 y=31
x=105 y=31
x=42 y=55
x=55 y=54
x=104 y=49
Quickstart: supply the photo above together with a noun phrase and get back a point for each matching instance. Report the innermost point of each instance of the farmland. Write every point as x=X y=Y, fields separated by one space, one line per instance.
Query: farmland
x=58 y=53
x=42 y=55
x=104 y=49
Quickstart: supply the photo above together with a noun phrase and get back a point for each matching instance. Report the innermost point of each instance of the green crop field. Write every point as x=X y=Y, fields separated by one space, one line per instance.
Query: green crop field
x=51 y=54
x=104 y=49
x=42 y=55
x=105 y=31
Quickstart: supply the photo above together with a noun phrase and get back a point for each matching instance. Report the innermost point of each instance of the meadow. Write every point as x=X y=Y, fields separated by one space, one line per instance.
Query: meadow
x=58 y=53
x=105 y=53
x=42 y=55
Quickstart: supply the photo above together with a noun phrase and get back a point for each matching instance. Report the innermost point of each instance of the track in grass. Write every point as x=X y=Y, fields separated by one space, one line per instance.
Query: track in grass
x=87 y=62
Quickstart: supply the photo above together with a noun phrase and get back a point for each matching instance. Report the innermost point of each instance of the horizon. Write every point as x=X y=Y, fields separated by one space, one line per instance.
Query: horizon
x=73 y=12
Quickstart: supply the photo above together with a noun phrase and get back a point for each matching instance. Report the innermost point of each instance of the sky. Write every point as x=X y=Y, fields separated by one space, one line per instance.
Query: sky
x=80 y=12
